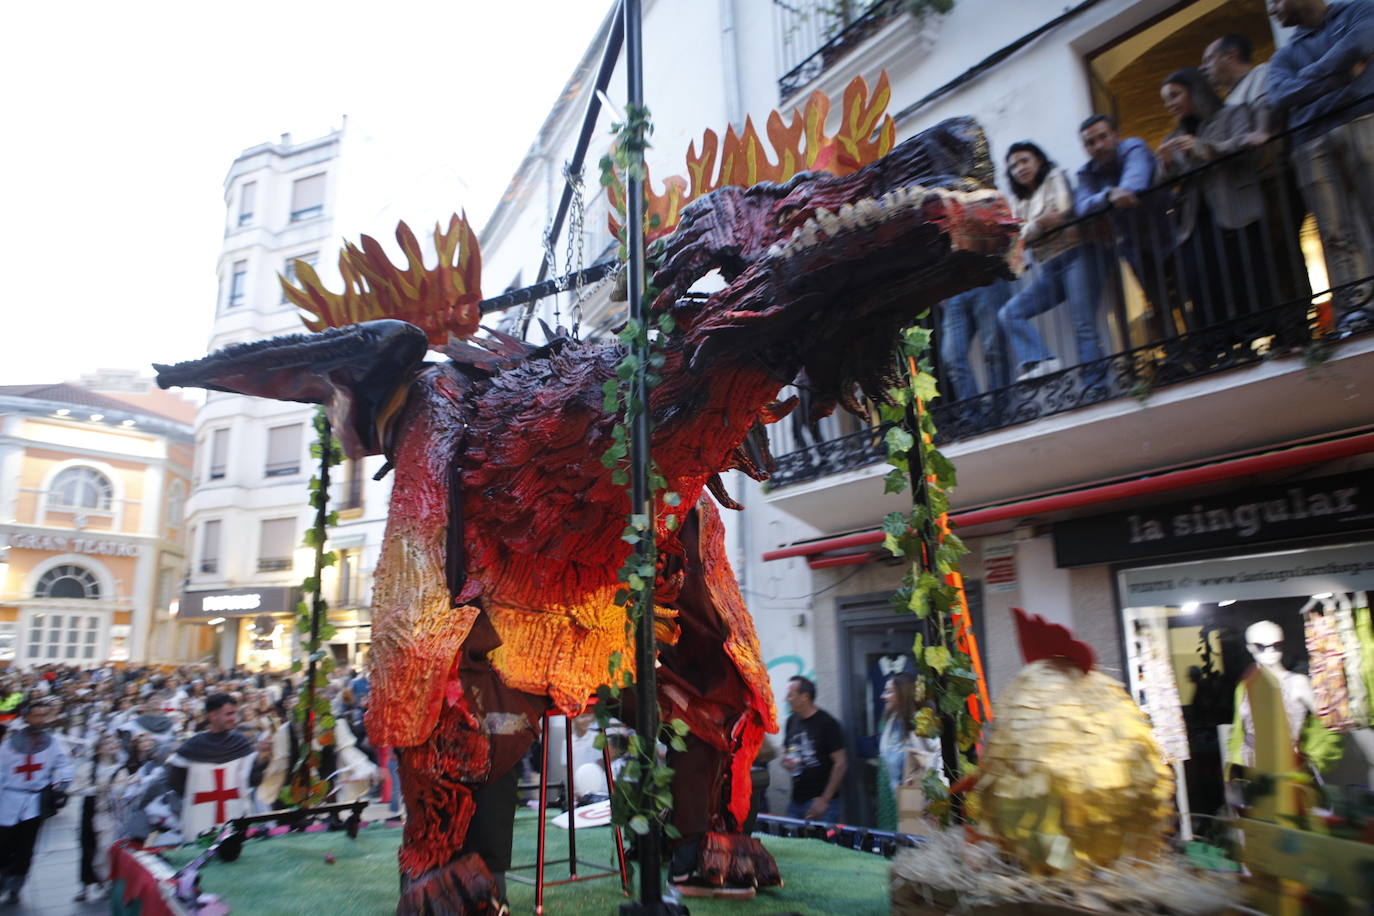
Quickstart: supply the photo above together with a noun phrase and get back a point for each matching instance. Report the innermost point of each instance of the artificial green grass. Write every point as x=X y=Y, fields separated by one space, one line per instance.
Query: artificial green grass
x=288 y=875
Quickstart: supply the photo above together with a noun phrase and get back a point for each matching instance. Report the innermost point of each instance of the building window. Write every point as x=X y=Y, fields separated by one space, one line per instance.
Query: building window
x=289 y=268
x=238 y=283
x=219 y=454
x=81 y=488
x=350 y=577
x=176 y=503
x=276 y=543
x=209 y=546
x=166 y=583
x=283 y=451
x=62 y=638
x=247 y=197
x=307 y=198
x=9 y=640
x=352 y=479
x=67 y=581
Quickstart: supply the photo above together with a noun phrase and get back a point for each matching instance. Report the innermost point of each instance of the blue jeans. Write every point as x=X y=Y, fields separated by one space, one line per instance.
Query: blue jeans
x=831 y=815
x=1075 y=277
x=960 y=317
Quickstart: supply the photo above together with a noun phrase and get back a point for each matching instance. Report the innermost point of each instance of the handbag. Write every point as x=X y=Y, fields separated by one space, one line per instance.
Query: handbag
x=51 y=800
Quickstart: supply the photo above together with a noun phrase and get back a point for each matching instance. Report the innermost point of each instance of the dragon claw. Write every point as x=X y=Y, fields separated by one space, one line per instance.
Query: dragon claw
x=463 y=887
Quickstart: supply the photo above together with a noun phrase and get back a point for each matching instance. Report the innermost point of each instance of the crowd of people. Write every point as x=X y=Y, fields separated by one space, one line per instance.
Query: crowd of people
x=122 y=743
x=1208 y=220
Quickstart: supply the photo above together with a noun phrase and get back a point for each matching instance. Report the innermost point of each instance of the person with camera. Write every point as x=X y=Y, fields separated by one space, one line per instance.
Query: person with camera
x=34 y=774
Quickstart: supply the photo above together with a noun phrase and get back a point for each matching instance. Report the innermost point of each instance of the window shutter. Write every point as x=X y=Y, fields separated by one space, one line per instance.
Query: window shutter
x=247 y=198
x=283 y=450
x=307 y=197
x=209 y=547
x=276 y=544
x=219 y=453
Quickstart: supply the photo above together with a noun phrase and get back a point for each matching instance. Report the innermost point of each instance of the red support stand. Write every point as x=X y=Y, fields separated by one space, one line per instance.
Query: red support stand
x=569 y=805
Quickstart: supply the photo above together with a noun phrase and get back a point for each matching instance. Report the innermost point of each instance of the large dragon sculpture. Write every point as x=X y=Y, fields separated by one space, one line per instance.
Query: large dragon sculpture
x=493 y=598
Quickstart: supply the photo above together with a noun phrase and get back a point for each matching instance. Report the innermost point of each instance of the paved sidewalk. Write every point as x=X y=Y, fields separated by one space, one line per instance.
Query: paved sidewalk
x=55 y=876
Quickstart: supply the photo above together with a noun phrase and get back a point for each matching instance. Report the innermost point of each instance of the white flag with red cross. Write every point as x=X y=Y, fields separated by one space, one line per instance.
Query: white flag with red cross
x=215 y=793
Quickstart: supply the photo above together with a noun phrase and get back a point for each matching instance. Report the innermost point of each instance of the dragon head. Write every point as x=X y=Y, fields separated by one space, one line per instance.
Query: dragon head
x=823 y=271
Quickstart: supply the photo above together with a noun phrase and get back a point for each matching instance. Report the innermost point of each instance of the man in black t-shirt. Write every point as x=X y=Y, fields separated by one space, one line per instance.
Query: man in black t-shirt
x=814 y=755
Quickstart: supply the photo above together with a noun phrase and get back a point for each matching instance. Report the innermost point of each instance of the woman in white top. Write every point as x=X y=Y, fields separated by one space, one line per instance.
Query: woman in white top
x=1069 y=269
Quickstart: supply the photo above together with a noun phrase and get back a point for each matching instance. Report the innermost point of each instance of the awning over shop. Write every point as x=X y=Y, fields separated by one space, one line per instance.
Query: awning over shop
x=862 y=546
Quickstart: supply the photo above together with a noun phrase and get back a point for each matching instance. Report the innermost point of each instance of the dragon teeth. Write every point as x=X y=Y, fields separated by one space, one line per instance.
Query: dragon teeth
x=808 y=234
x=828 y=221
x=870 y=210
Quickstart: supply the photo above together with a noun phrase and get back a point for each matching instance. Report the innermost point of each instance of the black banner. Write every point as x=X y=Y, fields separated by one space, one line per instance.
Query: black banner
x=238 y=602
x=1303 y=508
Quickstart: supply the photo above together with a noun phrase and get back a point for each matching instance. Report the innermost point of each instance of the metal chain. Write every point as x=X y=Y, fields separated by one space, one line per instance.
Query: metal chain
x=552 y=260
x=576 y=259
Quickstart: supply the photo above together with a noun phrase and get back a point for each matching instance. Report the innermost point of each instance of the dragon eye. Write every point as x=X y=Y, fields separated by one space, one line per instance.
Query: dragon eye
x=785 y=215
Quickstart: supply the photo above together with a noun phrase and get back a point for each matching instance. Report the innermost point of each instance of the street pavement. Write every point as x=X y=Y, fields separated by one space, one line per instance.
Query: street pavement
x=55 y=876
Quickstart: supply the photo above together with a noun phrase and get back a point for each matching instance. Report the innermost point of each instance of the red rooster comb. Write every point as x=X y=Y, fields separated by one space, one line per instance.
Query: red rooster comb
x=1041 y=639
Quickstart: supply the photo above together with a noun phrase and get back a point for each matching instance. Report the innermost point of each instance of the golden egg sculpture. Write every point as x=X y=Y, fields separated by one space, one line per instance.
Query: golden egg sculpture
x=1070 y=771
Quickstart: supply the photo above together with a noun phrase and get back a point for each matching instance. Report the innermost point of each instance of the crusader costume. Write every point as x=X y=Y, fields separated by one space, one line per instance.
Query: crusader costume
x=213 y=773
x=31 y=760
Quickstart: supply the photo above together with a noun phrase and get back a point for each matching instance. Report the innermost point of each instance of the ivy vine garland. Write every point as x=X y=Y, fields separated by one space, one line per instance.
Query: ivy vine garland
x=643 y=793
x=307 y=786
x=945 y=673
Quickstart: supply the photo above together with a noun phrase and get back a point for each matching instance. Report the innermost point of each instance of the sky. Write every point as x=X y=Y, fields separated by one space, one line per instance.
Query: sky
x=122 y=120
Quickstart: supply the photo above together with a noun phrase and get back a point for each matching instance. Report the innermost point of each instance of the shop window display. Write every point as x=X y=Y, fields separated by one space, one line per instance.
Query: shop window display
x=1303 y=617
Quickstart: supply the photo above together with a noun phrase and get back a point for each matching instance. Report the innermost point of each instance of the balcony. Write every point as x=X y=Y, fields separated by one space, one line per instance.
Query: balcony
x=1223 y=342
x=813 y=34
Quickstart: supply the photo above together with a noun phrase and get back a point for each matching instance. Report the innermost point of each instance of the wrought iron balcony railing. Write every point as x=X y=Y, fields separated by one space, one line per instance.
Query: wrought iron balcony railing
x=813 y=34
x=1173 y=306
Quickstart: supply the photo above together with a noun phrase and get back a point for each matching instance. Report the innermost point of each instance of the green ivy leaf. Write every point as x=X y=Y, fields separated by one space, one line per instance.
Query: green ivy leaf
x=898 y=440
x=895 y=481
x=941 y=467
x=937 y=657
x=895 y=523
x=924 y=386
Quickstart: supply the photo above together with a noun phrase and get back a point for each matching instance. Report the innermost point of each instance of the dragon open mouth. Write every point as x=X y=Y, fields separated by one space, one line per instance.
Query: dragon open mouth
x=844 y=264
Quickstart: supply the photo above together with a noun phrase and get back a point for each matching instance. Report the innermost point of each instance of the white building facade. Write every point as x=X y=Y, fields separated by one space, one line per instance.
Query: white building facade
x=248 y=508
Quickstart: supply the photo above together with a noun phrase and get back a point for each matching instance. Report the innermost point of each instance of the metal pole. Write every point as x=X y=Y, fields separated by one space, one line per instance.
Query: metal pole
x=641 y=499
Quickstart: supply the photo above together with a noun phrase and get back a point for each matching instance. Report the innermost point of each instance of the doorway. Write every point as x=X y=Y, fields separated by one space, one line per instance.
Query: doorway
x=875 y=643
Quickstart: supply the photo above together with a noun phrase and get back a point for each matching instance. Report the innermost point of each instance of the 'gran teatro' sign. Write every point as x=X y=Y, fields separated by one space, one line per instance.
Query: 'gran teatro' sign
x=61 y=543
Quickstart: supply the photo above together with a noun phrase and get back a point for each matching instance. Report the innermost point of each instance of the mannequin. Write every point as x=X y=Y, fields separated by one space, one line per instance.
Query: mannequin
x=1264 y=639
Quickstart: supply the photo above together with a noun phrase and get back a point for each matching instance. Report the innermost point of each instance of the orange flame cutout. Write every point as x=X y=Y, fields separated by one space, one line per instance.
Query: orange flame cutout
x=865 y=135
x=441 y=301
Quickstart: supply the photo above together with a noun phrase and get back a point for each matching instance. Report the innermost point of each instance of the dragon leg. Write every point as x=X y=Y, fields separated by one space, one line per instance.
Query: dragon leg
x=713 y=678
x=460 y=790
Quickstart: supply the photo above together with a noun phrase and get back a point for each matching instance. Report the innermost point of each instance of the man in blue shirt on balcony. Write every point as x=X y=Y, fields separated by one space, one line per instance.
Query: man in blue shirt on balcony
x=1117 y=178
x=1323 y=83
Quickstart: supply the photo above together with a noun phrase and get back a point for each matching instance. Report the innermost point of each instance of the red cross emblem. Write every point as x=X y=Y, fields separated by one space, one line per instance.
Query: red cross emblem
x=28 y=768
x=219 y=796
